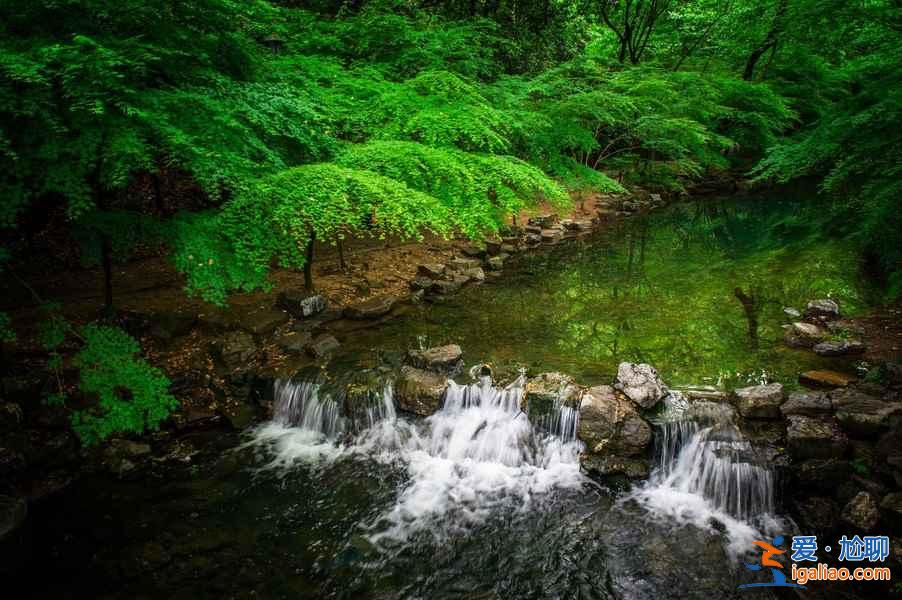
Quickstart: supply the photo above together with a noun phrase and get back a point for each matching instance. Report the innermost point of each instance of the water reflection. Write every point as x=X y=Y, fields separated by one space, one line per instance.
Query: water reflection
x=698 y=291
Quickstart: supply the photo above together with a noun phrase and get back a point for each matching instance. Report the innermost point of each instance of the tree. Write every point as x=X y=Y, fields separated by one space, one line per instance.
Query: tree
x=633 y=22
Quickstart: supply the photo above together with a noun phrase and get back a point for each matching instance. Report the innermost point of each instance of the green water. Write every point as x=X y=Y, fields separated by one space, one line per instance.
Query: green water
x=656 y=289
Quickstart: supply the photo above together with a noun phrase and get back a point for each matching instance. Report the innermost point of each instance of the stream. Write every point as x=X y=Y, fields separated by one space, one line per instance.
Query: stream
x=342 y=496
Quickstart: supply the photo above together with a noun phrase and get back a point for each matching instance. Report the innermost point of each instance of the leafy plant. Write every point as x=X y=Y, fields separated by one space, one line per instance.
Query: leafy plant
x=133 y=396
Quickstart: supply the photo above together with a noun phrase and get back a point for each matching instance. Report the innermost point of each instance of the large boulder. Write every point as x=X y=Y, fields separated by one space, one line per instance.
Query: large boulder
x=234 y=349
x=804 y=335
x=862 y=415
x=373 y=308
x=822 y=310
x=809 y=404
x=301 y=304
x=640 y=383
x=547 y=392
x=419 y=391
x=460 y=265
x=759 y=401
x=609 y=423
x=810 y=437
x=262 y=321
x=431 y=270
x=441 y=359
x=821 y=474
x=862 y=512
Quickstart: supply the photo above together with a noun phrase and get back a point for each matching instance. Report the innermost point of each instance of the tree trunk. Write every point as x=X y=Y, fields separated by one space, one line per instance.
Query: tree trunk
x=341 y=256
x=308 y=263
x=750 y=306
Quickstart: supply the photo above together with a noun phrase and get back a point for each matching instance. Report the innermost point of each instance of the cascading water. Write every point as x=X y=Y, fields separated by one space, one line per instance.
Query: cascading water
x=707 y=474
x=478 y=453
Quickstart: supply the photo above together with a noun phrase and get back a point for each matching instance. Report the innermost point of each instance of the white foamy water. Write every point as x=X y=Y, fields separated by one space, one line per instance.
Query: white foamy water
x=478 y=454
x=708 y=475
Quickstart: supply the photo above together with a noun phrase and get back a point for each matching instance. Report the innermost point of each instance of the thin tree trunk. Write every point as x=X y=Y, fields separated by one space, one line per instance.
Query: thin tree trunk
x=341 y=256
x=750 y=306
x=308 y=262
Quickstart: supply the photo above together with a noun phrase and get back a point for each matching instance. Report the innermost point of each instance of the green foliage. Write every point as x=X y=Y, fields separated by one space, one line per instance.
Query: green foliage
x=273 y=221
x=133 y=396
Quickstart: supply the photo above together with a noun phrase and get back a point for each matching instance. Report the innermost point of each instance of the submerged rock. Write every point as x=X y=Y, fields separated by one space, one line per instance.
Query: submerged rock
x=810 y=437
x=610 y=423
x=441 y=359
x=759 y=401
x=419 y=391
x=301 y=304
x=640 y=383
x=372 y=308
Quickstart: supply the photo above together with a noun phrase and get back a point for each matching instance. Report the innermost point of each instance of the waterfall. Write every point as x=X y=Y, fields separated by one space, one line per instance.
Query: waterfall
x=707 y=473
x=478 y=453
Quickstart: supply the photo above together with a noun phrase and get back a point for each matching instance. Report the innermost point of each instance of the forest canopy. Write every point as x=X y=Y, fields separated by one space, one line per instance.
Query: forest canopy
x=232 y=134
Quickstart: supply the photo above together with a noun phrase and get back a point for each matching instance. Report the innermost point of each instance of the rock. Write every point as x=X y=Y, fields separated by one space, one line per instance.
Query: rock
x=166 y=326
x=817 y=513
x=809 y=404
x=294 y=342
x=712 y=395
x=640 y=383
x=421 y=283
x=862 y=512
x=811 y=437
x=533 y=238
x=476 y=275
x=891 y=510
x=301 y=304
x=759 y=401
x=263 y=321
x=609 y=423
x=607 y=466
x=431 y=270
x=372 y=308
x=825 y=379
x=544 y=221
x=495 y=263
x=803 y=335
x=841 y=348
x=323 y=346
x=472 y=251
x=12 y=462
x=822 y=310
x=493 y=247
x=460 y=265
x=552 y=236
x=128 y=448
x=13 y=512
x=546 y=393
x=420 y=392
x=791 y=312
x=234 y=349
x=440 y=359
x=862 y=415
x=448 y=286
x=509 y=248
x=821 y=475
